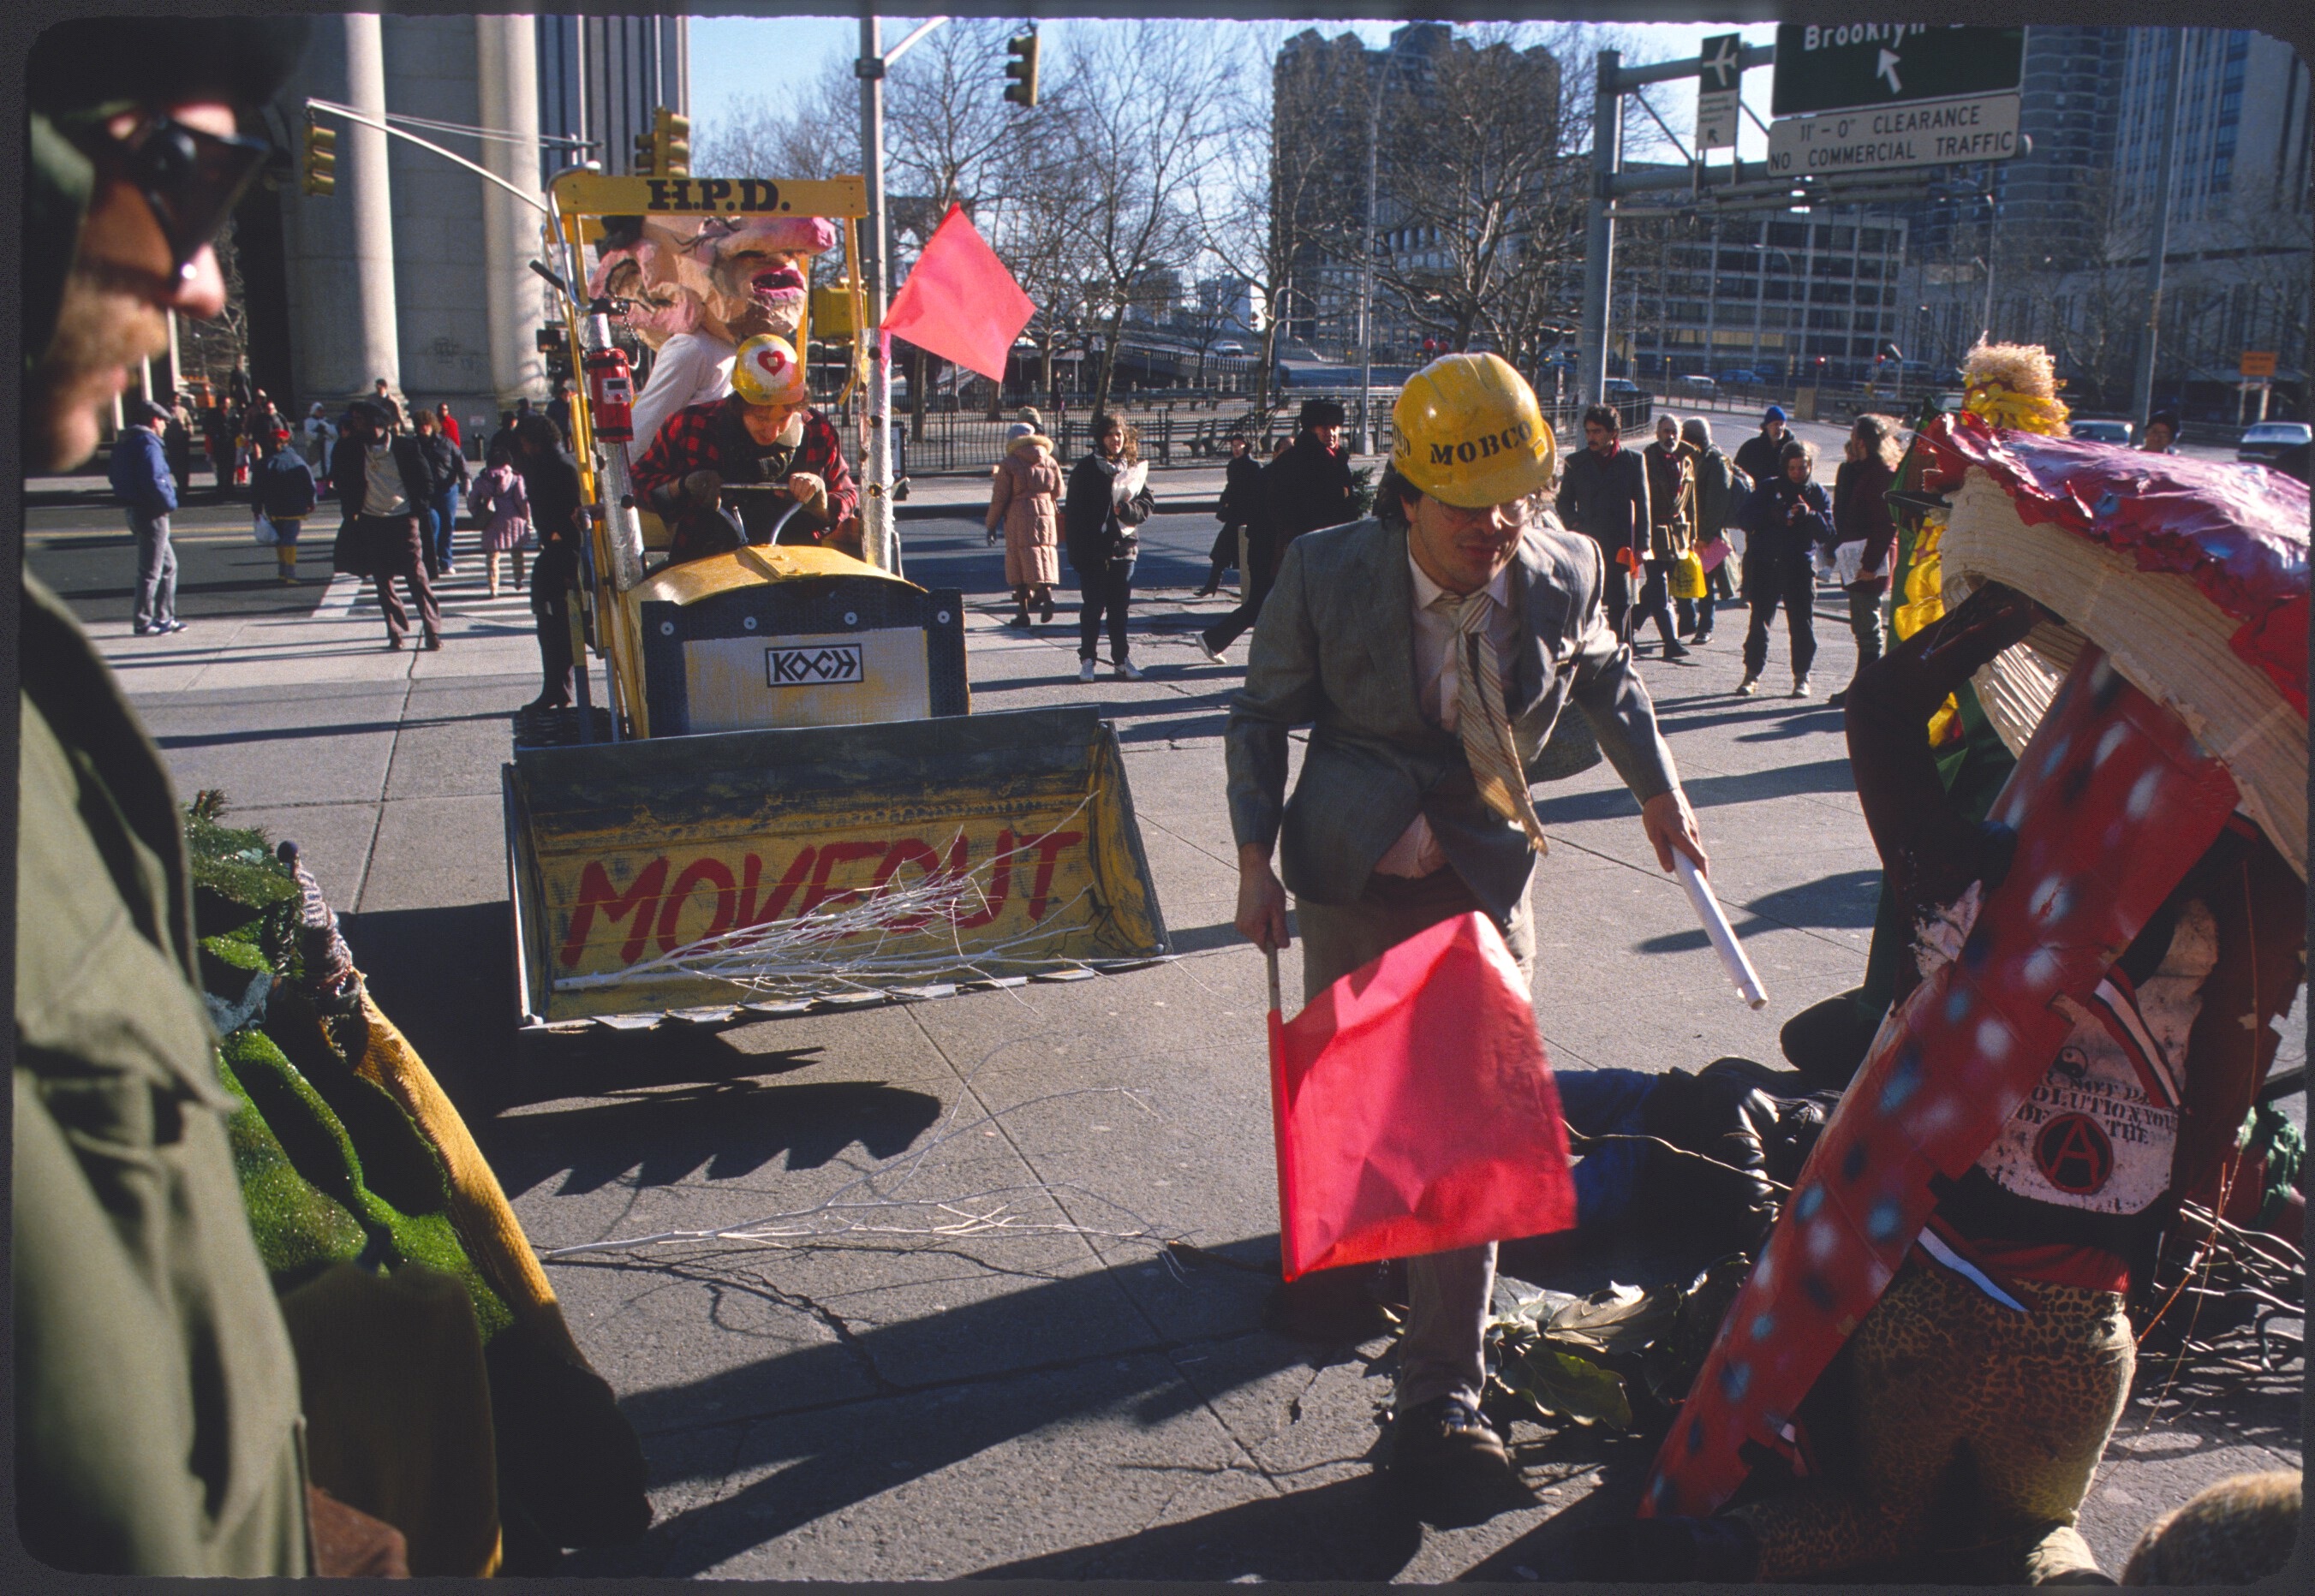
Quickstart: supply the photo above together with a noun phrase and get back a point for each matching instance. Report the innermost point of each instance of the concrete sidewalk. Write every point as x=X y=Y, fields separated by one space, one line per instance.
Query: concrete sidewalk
x=956 y=1345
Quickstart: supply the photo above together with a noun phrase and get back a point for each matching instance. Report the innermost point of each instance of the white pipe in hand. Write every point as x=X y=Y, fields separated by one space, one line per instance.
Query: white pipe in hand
x=1723 y=937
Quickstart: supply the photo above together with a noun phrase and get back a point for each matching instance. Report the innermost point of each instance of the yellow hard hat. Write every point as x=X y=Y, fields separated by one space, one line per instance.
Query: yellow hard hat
x=767 y=371
x=1468 y=431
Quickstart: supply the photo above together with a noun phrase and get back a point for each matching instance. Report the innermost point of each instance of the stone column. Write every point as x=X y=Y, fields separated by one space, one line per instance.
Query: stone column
x=506 y=62
x=341 y=246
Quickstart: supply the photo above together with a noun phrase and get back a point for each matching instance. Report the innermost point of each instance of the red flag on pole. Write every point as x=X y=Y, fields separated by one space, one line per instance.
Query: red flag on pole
x=1415 y=1108
x=959 y=302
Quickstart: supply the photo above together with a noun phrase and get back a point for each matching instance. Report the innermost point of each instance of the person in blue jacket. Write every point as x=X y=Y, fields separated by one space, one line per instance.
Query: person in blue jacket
x=1788 y=518
x=141 y=481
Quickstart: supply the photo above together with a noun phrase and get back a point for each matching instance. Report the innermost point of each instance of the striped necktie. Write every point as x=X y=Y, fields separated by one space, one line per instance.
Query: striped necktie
x=1486 y=731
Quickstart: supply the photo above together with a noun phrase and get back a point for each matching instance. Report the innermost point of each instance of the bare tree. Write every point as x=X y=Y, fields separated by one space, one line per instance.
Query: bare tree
x=1277 y=199
x=813 y=134
x=1148 y=117
x=1474 y=146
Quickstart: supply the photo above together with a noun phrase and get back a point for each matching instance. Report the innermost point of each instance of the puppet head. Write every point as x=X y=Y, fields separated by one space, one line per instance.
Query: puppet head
x=753 y=274
x=637 y=262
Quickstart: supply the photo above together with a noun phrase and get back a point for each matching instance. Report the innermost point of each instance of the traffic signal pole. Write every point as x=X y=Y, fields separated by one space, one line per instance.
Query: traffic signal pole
x=1599 y=229
x=1611 y=181
x=879 y=532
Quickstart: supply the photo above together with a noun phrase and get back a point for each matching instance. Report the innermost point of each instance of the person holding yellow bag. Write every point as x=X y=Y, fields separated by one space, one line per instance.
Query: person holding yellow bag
x=1670 y=464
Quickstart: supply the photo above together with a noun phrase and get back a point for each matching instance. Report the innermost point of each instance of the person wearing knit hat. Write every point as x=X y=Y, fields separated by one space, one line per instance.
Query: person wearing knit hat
x=156 y=1395
x=1760 y=457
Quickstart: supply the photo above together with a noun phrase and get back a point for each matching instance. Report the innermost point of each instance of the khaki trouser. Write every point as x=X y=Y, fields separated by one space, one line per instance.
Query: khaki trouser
x=1439 y=1354
x=1944 y=1386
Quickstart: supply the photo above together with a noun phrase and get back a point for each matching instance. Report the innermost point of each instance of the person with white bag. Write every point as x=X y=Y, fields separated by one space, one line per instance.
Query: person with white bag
x=1865 y=534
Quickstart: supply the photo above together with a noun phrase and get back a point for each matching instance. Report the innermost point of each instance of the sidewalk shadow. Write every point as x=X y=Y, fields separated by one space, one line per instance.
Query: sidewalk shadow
x=723 y=1131
x=1351 y=1530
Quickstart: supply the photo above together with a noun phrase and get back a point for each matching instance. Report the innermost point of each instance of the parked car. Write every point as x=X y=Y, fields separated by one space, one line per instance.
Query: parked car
x=2100 y=430
x=1698 y=383
x=1617 y=390
x=1229 y=347
x=1739 y=378
x=2269 y=441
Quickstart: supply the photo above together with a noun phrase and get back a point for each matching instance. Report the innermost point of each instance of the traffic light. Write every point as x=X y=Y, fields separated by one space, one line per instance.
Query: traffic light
x=554 y=344
x=1021 y=68
x=646 y=154
x=321 y=157
x=671 y=144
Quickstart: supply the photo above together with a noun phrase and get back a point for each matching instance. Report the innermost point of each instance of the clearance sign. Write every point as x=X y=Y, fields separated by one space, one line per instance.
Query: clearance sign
x=824 y=860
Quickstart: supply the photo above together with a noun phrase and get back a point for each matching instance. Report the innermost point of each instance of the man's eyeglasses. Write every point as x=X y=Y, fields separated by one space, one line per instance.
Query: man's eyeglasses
x=192 y=179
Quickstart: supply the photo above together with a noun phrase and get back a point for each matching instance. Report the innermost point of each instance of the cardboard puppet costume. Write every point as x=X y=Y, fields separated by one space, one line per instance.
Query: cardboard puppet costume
x=2085 y=1015
x=696 y=289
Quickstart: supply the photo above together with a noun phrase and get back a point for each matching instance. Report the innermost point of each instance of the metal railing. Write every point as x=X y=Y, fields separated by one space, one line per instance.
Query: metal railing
x=1195 y=428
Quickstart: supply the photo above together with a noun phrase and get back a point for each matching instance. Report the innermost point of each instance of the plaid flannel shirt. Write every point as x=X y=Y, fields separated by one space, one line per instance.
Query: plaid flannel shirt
x=691 y=440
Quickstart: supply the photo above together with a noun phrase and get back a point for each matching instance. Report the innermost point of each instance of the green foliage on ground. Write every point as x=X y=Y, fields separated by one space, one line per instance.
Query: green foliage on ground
x=330 y=1166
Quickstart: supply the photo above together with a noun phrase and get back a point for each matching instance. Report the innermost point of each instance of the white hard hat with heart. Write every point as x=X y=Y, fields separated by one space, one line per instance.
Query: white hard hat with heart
x=767 y=372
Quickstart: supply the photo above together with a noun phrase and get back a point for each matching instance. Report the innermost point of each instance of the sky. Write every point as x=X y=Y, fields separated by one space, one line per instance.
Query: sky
x=728 y=56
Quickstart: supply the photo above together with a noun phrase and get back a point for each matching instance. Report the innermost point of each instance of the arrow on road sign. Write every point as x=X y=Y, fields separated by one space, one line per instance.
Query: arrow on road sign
x=1888 y=69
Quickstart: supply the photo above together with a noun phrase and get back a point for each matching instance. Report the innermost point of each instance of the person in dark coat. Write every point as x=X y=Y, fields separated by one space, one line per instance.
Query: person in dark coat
x=1240 y=483
x=1306 y=486
x=1861 y=516
x=284 y=493
x=448 y=467
x=1100 y=518
x=550 y=482
x=1762 y=456
x=142 y=483
x=1603 y=493
x=384 y=482
x=1788 y=517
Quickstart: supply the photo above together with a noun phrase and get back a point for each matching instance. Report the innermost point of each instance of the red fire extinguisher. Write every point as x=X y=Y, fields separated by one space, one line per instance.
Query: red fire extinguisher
x=611 y=396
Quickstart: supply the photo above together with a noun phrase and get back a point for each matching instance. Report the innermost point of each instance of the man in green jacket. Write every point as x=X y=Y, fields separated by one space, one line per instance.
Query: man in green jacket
x=157 y=1403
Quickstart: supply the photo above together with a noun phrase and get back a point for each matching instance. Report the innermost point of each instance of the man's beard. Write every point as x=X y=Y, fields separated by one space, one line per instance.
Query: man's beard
x=100 y=331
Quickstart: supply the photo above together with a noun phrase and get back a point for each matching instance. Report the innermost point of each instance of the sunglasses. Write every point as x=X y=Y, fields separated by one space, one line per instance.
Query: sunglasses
x=192 y=179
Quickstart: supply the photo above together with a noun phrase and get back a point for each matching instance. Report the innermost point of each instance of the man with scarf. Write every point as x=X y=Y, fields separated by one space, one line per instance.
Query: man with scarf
x=762 y=434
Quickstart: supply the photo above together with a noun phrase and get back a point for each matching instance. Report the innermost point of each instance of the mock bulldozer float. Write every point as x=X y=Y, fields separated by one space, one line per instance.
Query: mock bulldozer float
x=786 y=804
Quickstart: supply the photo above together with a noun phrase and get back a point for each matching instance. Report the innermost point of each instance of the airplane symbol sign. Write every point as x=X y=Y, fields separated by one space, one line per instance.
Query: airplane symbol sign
x=1718 y=74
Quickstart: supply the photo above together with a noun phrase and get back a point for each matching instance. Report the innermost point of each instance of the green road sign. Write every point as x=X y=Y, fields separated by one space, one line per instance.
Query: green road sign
x=1863 y=64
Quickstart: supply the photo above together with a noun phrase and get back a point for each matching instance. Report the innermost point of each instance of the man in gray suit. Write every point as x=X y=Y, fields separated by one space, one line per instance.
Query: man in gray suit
x=1430 y=650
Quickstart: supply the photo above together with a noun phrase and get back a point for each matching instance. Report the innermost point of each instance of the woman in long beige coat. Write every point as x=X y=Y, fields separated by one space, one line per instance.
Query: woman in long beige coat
x=1025 y=504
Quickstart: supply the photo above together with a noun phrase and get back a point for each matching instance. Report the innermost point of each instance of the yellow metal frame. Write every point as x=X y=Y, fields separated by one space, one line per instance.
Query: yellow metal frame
x=580 y=200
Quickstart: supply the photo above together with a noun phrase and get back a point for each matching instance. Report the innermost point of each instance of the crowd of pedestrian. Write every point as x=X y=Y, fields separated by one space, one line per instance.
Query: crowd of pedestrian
x=1430 y=650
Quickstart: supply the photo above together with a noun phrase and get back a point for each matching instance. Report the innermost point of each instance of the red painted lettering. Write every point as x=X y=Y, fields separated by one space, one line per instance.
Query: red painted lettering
x=1000 y=883
x=596 y=892
x=780 y=893
x=713 y=872
x=1049 y=852
x=830 y=856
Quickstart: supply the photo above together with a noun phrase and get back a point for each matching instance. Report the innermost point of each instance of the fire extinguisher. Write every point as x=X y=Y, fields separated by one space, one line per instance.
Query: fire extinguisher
x=611 y=396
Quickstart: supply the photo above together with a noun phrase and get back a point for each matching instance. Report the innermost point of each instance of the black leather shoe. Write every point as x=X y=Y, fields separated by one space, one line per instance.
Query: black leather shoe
x=1451 y=1466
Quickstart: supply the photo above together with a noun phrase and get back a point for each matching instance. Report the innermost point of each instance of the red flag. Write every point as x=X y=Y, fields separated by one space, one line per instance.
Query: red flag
x=959 y=301
x=1414 y=1107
